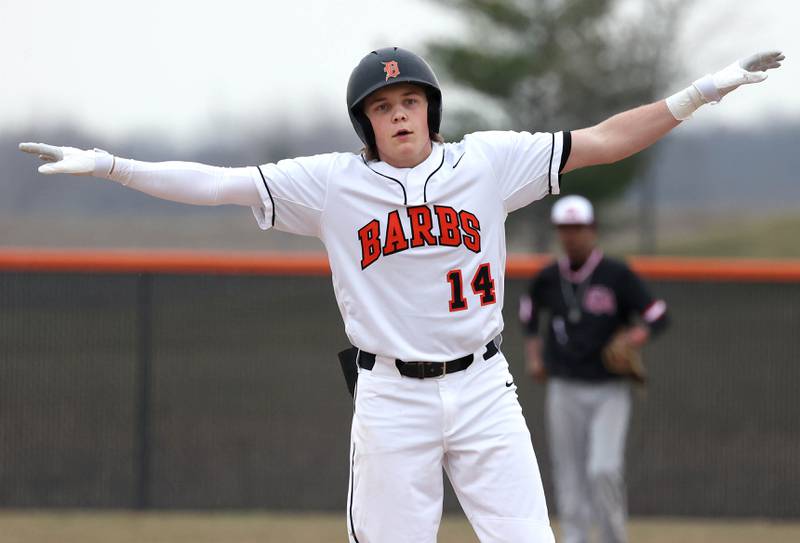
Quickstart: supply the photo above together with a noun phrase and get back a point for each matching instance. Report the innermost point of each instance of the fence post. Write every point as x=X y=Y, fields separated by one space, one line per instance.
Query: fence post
x=143 y=384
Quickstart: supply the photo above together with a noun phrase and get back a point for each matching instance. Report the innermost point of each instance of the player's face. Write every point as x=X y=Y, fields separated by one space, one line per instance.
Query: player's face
x=399 y=117
x=578 y=241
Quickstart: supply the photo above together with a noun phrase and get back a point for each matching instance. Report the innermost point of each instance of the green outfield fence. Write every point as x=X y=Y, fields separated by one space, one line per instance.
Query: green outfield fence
x=177 y=380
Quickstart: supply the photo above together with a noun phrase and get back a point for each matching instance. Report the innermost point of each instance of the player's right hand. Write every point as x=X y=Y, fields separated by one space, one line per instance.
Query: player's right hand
x=536 y=370
x=64 y=159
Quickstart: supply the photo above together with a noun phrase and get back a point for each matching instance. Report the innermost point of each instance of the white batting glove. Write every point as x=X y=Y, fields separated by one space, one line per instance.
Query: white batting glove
x=711 y=88
x=70 y=160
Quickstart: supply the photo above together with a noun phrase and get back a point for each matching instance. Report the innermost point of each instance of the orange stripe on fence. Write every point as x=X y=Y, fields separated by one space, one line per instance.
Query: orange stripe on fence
x=293 y=263
x=717 y=269
x=683 y=268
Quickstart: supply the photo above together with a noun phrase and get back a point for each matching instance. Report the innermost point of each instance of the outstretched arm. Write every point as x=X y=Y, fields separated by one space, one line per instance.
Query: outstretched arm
x=184 y=182
x=634 y=130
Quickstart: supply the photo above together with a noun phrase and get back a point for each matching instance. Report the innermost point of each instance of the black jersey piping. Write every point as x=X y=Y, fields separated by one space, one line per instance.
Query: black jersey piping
x=459 y=160
x=566 y=148
x=550 y=168
x=425 y=187
x=271 y=201
x=405 y=199
x=352 y=485
x=353 y=459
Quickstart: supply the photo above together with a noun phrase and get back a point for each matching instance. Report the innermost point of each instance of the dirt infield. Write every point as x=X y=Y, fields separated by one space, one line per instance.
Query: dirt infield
x=252 y=527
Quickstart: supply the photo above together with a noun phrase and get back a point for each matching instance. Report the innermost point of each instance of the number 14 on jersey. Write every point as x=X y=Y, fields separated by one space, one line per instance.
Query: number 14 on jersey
x=482 y=285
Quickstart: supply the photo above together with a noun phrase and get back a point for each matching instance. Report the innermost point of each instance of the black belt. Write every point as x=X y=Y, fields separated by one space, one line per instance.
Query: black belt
x=422 y=370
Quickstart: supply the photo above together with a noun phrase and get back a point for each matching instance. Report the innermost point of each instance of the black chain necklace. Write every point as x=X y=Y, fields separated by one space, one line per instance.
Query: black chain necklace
x=573 y=299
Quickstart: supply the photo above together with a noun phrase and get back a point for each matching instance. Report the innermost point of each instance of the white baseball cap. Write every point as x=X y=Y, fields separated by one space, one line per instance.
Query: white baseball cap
x=572 y=210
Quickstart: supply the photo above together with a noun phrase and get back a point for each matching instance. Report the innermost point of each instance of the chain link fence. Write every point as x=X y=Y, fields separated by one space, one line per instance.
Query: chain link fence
x=223 y=391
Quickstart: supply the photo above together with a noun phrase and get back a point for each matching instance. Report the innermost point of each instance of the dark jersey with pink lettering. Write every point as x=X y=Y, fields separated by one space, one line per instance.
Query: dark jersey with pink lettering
x=417 y=254
x=584 y=308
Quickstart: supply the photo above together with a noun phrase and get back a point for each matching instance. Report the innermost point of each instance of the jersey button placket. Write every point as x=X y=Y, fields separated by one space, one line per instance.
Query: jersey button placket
x=414 y=186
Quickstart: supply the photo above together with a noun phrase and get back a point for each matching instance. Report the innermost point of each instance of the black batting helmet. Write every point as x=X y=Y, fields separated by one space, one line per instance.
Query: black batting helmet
x=390 y=66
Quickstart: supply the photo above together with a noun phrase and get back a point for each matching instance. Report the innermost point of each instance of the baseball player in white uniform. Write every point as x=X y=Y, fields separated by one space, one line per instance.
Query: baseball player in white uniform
x=414 y=231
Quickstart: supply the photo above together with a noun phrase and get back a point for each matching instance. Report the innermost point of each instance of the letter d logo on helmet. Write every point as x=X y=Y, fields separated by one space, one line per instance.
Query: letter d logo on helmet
x=390 y=66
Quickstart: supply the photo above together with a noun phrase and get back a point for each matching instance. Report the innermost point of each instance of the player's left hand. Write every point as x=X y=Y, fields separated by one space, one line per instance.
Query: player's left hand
x=622 y=354
x=752 y=69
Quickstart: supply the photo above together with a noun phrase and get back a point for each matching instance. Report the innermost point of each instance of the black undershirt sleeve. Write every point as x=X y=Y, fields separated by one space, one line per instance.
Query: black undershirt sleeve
x=565 y=149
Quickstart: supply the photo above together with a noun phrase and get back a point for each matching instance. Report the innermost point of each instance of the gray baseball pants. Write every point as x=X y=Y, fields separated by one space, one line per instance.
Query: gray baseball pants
x=587 y=424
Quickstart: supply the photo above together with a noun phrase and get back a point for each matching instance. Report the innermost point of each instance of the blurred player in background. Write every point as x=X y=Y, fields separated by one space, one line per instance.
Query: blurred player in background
x=599 y=315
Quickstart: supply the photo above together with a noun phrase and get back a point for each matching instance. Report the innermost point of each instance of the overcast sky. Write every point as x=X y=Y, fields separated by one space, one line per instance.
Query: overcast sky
x=175 y=67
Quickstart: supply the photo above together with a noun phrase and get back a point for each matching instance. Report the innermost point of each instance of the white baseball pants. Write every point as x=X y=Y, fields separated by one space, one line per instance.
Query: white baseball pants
x=405 y=430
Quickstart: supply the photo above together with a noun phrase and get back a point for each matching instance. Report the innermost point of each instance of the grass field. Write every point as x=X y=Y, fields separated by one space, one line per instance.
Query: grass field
x=130 y=527
x=734 y=237
x=774 y=237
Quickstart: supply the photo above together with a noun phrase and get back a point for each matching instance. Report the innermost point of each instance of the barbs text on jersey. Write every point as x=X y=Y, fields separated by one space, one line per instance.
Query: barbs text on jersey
x=455 y=228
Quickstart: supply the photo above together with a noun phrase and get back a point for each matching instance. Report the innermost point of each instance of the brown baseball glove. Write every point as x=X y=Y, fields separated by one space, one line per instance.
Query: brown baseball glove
x=623 y=357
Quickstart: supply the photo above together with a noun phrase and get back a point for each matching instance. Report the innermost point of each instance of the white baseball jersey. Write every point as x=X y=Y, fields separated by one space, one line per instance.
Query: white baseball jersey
x=417 y=254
